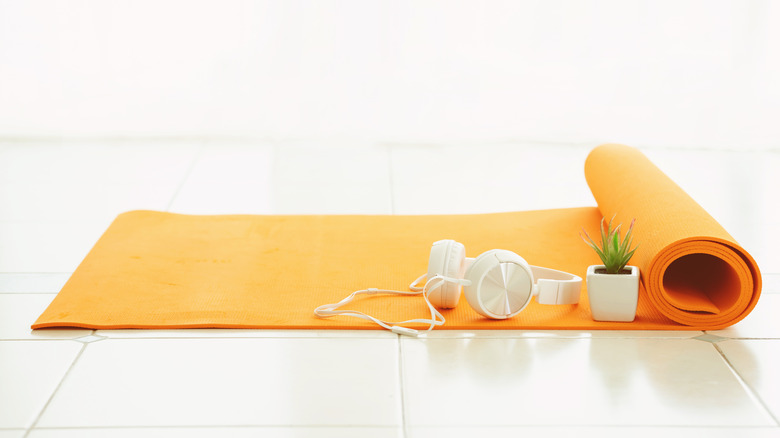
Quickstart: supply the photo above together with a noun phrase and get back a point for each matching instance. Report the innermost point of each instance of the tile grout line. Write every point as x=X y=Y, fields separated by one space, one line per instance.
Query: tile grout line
x=220 y=426
x=191 y=167
x=56 y=389
x=751 y=392
x=600 y=427
x=119 y=338
x=34 y=273
x=29 y=293
x=572 y=427
x=205 y=338
x=401 y=398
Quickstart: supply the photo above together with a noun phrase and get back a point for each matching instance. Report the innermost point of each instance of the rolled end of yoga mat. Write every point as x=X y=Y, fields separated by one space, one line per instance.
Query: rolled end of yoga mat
x=693 y=271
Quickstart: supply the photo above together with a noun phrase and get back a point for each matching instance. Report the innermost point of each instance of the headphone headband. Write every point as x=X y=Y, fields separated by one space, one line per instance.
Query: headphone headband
x=556 y=287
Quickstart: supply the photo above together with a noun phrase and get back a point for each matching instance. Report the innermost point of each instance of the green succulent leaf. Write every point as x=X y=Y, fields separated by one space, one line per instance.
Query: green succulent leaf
x=614 y=252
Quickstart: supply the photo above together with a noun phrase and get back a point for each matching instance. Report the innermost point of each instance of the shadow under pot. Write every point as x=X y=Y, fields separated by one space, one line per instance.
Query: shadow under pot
x=613 y=297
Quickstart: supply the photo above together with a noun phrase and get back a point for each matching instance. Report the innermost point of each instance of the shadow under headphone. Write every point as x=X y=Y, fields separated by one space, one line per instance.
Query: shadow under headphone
x=498 y=284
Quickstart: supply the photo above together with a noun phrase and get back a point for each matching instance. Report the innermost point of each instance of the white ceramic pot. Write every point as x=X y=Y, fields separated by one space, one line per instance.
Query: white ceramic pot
x=613 y=297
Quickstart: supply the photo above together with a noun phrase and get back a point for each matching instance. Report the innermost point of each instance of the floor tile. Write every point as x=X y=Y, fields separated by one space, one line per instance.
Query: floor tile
x=237 y=432
x=558 y=334
x=605 y=382
x=90 y=338
x=436 y=334
x=96 y=200
x=757 y=362
x=251 y=382
x=770 y=283
x=314 y=179
x=287 y=179
x=762 y=322
x=32 y=282
x=588 y=431
x=228 y=179
x=19 y=311
x=758 y=237
x=108 y=162
x=345 y=383
x=708 y=337
x=43 y=246
x=29 y=373
x=246 y=333
x=468 y=179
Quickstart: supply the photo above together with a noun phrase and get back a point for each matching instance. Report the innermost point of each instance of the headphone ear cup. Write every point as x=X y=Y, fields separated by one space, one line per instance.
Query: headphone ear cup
x=448 y=258
x=501 y=284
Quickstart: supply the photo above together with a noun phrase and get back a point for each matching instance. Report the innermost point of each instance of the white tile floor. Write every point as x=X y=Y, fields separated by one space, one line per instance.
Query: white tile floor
x=56 y=199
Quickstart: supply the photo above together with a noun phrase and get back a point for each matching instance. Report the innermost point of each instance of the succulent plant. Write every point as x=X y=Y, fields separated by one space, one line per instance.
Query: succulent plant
x=614 y=251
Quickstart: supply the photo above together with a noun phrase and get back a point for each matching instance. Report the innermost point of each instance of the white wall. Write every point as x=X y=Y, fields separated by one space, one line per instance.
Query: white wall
x=673 y=73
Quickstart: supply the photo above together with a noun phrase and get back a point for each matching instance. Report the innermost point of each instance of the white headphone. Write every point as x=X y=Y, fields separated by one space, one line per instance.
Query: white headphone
x=498 y=284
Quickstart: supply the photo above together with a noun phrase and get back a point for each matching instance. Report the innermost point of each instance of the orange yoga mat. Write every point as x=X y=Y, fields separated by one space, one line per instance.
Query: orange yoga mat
x=163 y=270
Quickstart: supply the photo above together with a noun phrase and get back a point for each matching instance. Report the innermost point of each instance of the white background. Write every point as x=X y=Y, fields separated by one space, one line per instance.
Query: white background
x=698 y=74
x=373 y=107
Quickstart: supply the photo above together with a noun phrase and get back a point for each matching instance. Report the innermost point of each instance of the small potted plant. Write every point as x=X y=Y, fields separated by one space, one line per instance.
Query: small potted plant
x=613 y=288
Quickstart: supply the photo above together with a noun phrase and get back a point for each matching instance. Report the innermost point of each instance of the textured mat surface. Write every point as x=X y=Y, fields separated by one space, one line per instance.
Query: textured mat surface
x=163 y=270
